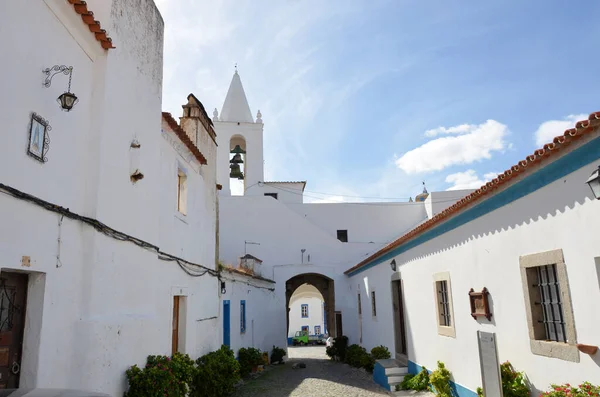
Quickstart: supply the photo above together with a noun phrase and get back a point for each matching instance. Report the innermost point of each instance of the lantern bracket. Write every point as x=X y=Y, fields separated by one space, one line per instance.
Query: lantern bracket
x=54 y=70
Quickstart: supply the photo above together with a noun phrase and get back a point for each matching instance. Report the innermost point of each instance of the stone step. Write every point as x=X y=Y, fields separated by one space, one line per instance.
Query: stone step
x=395 y=379
x=396 y=371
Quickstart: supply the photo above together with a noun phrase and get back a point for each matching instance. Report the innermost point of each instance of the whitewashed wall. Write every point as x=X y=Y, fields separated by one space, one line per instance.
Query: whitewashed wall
x=485 y=253
x=315 y=315
x=287 y=192
x=96 y=305
x=261 y=303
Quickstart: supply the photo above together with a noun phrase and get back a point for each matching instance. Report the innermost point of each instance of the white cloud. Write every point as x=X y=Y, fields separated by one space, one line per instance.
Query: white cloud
x=552 y=128
x=476 y=143
x=468 y=180
x=459 y=129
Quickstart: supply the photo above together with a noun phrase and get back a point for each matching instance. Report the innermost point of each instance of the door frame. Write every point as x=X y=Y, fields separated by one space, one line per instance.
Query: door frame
x=399 y=319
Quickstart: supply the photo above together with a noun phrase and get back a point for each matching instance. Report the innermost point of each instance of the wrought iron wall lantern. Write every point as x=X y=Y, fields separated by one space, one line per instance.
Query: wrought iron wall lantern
x=393 y=265
x=594 y=183
x=66 y=100
x=480 y=305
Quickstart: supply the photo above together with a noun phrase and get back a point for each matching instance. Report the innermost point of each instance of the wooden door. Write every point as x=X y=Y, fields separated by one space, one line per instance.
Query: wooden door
x=13 y=296
x=175 y=336
x=399 y=325
x=339 y=331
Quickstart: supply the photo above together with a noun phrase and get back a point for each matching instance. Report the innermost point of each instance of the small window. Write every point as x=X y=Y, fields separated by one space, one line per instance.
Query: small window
x=359 y=306
x=242 y=316
x=373 y=304
x=181 y=192
x=304 y=309
x=274 y=195
x=317 y=330
x=443 y=302
x=305 y=329
x=342 y=235
x=442 y=291
x=549 y=314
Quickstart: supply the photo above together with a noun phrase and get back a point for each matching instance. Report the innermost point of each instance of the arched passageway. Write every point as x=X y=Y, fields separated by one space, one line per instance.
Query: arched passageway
x=324 y=285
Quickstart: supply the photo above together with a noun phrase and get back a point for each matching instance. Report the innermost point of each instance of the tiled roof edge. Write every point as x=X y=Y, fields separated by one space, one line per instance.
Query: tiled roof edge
x=87 y=17
x=184 y=137
x=538 y=157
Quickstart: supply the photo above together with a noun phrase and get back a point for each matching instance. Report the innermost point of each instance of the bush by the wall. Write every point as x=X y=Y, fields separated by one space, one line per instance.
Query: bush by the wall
x=380 y=353
x=337 y=350
x=440 y=381
x=586 y=389
x=513 y=382
x=277 y=355
x=216 y=374
x=162 y=376
x=248 y=358
x=358 y=357
x=417 y=382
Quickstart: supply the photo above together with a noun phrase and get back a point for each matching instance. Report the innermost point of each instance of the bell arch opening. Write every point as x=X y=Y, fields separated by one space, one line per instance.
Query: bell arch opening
x=301 y=290
x=237 y=165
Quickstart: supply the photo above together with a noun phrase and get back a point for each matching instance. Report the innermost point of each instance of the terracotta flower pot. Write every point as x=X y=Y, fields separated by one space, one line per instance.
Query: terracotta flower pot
x=587 y=349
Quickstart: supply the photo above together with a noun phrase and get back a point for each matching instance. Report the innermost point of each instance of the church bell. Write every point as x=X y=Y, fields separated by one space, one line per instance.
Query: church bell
x=235 y=171
x=237 y=150
x=237 y=159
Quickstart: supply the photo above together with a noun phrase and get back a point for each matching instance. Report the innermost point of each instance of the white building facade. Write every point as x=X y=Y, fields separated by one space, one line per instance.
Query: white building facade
x=527 y=238
x=299 y=243
x=96 y=247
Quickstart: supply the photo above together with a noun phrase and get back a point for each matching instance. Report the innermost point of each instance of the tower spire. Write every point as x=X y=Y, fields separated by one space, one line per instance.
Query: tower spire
x=235 y=107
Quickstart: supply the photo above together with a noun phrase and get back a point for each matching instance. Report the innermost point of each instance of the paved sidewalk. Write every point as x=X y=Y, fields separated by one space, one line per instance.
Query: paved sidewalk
x=321 y=378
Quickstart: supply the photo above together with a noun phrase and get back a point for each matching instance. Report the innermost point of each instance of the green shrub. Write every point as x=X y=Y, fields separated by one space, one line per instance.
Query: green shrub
x=417 y=382
x=357 y=356
x=337 y=350
x=216 y=374
x=380 y=353
x=248 y=358
x=440 y=381
x=513 y=382
x=277 y=355
x=586 y=389
x=162 y=376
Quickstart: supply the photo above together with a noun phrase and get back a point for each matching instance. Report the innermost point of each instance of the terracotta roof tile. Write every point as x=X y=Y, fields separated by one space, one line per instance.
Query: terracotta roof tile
x=184 y=137
x=87 y=17
x=539 y=156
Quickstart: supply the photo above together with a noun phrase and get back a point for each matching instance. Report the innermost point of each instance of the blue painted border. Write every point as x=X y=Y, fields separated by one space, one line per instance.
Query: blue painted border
x=457 y=389
x=560 y=168
x=380 y=377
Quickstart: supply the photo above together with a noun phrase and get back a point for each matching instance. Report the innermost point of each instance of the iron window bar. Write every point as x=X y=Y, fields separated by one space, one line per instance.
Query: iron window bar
x=552 y=313
x=444 y=303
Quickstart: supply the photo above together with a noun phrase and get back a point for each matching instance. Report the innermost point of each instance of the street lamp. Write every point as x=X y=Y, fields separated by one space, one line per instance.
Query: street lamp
x=594 y=183
x=66 y=100
x=393 y=265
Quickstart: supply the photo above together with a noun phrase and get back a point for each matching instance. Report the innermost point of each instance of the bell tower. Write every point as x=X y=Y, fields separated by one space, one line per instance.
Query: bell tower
x=240 y=143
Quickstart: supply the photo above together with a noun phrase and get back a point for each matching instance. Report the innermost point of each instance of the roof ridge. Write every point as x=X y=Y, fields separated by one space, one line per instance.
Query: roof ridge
x=540 y=155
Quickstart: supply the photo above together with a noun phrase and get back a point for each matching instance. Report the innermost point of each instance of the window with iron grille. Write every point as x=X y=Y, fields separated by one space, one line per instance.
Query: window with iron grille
x=549 y=308
x=445 y=318
x=317 y=330
x=304 y=309
x=549 y=300
x=373 y=304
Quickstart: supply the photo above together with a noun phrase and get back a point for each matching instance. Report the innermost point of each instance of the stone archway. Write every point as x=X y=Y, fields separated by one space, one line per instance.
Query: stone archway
x=326 y=287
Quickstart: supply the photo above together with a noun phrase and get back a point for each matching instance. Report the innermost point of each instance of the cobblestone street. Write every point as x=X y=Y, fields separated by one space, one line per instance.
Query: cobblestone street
x=321 y=378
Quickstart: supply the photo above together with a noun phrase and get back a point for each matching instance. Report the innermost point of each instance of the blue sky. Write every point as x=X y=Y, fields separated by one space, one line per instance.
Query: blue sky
x=369 y=99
